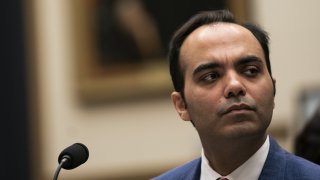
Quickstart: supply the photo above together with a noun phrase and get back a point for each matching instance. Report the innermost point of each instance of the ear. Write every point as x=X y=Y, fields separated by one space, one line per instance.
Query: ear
x=180 y=106
x=274 y=86
x=274 y=89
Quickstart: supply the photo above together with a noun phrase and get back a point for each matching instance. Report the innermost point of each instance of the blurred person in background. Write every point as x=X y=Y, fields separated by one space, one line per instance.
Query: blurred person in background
x=307 y=143
x=223 y=84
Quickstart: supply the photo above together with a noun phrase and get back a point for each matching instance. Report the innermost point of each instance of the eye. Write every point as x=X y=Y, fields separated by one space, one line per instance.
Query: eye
x=209 y=77
x=251 y=71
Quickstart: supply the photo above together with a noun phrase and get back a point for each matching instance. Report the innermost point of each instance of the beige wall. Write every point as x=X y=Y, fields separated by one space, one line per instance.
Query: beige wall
x=148 y=136
x=294 y=31
x=123 y=138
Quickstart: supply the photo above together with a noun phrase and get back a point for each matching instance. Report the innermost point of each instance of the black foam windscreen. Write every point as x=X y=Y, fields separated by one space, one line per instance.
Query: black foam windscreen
x=76 y=154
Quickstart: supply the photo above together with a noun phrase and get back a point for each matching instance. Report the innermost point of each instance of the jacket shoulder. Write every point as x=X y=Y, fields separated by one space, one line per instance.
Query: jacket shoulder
x=299 y=167
x=188 y=171
x=281 y=164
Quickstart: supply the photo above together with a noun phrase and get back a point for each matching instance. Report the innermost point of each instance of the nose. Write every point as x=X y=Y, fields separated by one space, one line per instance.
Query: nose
x=234 y=86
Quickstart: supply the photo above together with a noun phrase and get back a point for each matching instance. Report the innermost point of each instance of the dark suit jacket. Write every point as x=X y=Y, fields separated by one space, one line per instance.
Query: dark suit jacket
x=279 y=165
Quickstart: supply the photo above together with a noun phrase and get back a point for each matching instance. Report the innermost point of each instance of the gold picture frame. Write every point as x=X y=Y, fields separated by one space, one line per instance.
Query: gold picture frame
x=100 y=76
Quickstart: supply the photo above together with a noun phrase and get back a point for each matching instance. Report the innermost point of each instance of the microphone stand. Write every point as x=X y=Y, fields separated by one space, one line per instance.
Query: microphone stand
x=56 y=173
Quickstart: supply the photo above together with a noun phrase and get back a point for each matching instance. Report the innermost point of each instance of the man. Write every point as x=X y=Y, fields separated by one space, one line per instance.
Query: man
x=224 y=86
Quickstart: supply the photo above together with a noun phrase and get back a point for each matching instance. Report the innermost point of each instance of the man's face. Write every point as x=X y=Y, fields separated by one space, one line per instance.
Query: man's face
x=228 y=90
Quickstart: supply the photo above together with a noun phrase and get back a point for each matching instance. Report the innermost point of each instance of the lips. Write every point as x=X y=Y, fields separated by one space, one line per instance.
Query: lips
x=238 y=107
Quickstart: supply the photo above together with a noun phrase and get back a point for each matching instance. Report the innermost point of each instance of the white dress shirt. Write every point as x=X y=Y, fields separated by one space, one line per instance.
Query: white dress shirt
x=249 y=170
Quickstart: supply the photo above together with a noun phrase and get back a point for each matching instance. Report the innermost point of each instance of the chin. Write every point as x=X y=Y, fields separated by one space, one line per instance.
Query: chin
x=243 y=130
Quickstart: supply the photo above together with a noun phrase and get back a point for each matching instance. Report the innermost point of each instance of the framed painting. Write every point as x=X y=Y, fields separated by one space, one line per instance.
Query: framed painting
x=120 y=45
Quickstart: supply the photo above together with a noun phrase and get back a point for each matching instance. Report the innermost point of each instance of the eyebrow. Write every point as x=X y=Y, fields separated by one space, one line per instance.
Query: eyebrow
x=248 y=59
x=210 y=65
x=239 y=62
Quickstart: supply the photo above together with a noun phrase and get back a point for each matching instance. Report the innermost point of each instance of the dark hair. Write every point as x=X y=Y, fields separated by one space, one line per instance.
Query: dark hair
x=203 y=18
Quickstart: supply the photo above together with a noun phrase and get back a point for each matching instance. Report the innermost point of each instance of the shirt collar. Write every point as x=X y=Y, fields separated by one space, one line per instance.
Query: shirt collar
x=249 y=170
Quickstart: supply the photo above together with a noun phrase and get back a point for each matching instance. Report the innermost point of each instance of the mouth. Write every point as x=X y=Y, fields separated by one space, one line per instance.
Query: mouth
x=239 y=108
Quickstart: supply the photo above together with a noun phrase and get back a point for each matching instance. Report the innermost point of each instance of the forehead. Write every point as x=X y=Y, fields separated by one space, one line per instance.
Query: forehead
x=219 y=33
x=220 y=41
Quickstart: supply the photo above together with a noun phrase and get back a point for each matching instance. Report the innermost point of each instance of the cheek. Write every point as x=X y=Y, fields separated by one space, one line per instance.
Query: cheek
x=264 y=95
x=201 y=103
x=266 y=104
x=202 y=97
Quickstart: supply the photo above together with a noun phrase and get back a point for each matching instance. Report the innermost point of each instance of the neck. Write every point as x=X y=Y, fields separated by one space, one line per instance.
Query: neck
x=225 y=156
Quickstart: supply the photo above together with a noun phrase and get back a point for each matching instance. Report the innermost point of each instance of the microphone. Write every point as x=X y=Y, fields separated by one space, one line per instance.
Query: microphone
x=72 y=157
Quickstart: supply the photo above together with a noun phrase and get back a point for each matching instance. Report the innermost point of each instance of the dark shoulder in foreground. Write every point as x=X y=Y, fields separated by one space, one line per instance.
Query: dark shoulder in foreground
x=189 y=171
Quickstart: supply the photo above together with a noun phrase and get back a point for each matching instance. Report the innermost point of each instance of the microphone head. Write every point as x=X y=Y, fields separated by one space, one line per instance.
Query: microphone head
x=76 y=154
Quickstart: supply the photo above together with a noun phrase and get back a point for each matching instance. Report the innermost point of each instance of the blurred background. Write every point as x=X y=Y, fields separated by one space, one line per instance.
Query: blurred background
x=94 y=71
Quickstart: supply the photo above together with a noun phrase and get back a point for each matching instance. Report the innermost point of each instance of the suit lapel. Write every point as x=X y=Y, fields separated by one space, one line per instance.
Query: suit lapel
x=194 y=172
x=275 y=164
